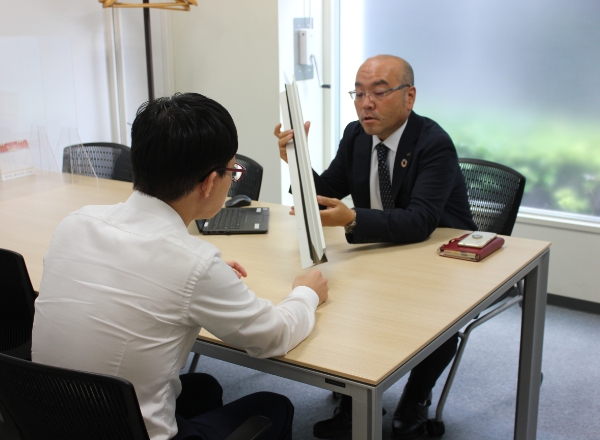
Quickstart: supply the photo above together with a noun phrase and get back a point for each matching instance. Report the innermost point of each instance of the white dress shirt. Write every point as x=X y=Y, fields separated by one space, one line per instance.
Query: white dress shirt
x=392 y=143
x=125 y=290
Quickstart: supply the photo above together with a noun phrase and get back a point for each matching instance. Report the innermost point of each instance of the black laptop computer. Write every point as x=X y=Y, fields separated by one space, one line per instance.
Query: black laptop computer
x=236 y=221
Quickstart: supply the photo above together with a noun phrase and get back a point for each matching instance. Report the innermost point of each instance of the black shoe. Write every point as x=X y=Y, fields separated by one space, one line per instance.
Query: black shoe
x=339 y=424
x=410 y=418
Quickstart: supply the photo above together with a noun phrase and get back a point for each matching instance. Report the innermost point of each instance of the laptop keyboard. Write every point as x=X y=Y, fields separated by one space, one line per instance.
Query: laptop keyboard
x=229 y=218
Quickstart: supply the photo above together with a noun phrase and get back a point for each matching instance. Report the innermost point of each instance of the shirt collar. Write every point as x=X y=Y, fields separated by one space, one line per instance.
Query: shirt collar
x=156 y=207
x=393 y=139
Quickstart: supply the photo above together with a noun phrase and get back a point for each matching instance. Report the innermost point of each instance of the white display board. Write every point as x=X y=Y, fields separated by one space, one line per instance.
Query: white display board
x=308 y=221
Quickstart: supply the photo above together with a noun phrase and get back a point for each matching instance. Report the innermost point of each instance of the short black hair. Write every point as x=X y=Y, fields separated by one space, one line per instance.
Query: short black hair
x=177 y=142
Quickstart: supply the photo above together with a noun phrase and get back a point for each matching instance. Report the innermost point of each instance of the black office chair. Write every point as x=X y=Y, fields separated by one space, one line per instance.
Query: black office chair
x=49 y=403
x=495 y=193
x=16 y=305
x=99 y=159
x=250 y=184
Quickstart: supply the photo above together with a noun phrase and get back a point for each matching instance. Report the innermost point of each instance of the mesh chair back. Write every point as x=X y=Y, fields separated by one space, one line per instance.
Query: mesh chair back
x=248 y=185
x=100 y=159
x=495 y=193
x=49 y=403
x=16 y=305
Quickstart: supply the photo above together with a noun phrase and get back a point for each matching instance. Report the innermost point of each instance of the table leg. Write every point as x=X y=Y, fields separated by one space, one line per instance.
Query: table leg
x=530 y=358
x=366 y=415
x=360 y=417
x=194 y=363
x=376 y=414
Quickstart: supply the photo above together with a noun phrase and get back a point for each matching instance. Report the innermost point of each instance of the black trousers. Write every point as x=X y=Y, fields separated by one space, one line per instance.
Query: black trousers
x=201 y=415
x=423 y=377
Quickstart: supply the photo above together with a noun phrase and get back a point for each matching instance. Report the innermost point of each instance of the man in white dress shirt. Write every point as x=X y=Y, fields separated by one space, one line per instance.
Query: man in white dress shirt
x=126 y=288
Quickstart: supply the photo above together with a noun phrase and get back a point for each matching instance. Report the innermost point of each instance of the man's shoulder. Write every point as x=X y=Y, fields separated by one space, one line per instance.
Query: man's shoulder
x=98 y=210
x=91 y=213
x=428 y=131
x=122 y=219
x=353 y=129
x=428 y=125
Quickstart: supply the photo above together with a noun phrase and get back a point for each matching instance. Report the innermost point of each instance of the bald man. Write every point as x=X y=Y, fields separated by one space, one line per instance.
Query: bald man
x=402 y=172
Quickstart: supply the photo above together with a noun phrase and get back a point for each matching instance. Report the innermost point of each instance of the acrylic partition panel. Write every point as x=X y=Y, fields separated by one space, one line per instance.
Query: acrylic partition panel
x=37 y=95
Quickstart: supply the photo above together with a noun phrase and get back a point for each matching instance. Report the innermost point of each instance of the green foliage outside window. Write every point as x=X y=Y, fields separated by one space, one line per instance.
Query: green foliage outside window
x=560 y=160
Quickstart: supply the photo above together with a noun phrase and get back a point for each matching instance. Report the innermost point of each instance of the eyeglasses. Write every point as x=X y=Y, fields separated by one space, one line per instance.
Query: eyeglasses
x=236 y=172
x=378 y=94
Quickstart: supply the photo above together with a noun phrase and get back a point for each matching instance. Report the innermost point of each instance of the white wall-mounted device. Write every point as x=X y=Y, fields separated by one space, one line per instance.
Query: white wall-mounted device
x=304 y=38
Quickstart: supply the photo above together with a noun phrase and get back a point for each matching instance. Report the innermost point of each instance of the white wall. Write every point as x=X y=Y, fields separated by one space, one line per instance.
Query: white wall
x=573 y=255
x=236 y=53
x=134 y=59
x=228 y=51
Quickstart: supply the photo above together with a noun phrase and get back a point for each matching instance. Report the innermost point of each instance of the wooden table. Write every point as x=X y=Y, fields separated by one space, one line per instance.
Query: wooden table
x=32 y=207
x=389 y=306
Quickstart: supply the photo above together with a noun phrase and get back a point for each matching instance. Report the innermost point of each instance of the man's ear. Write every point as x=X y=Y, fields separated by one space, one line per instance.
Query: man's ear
x=411 y=95
x=207 y=184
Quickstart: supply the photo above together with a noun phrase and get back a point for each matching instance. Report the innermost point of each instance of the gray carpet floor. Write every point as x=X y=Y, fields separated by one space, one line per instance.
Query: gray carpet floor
x=481 y=404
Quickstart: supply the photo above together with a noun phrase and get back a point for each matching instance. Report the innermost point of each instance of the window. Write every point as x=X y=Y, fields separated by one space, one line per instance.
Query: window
x=512 y=82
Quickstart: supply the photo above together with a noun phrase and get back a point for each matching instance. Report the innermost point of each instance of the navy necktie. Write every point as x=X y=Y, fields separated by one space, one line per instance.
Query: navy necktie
x=385 y=186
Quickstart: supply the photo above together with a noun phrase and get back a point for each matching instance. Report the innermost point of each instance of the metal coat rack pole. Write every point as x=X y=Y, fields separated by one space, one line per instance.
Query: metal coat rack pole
x=149 y=65
x=178 y=5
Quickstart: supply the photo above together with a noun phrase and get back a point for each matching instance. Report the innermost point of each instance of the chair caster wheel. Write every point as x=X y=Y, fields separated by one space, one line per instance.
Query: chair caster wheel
x=435 y=428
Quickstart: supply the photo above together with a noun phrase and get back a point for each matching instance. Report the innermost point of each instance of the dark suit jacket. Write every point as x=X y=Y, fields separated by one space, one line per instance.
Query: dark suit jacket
x=429 y=192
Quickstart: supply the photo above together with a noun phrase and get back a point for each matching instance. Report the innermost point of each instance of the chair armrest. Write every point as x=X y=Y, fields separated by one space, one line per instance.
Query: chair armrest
x=251 y=429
